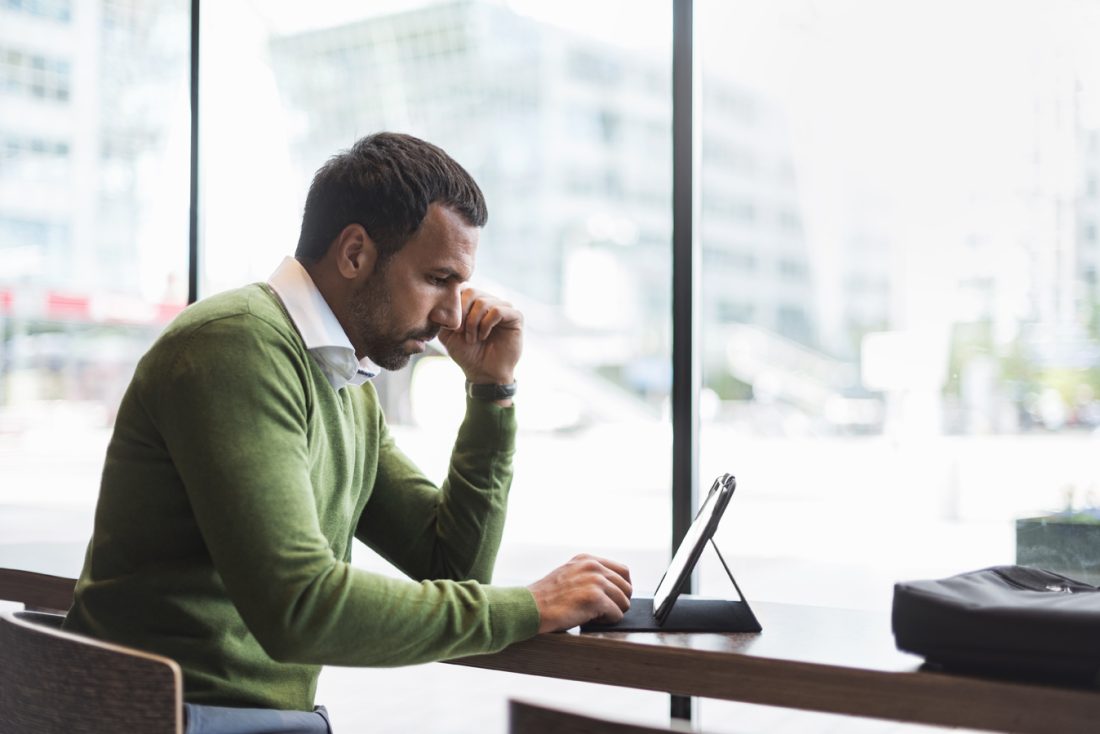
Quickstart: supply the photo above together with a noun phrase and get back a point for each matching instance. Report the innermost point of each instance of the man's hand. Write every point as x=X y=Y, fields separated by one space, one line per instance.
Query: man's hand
x=488 y=343
x=584 y=589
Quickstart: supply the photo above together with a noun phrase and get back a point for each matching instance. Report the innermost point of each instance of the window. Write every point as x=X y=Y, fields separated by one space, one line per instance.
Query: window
x=89 y=271
x=23 y=73
x=29 y=158
x=923 y=361
x=922 y=354
x=899 y=255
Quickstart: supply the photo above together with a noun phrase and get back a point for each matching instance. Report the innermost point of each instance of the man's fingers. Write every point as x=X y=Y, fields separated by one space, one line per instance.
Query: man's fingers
x=617 y=572
x=584 y=589
x=604 y=603
x=616 y=567
x=624 y=586
x=469 y=298
x=473 y=318
x=614 y=574
x=617 y=595
x=491 y=318
x=610 y=617
x=482 y=313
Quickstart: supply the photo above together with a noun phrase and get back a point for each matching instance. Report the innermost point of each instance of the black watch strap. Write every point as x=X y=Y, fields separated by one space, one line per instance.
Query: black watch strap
x=490 y=391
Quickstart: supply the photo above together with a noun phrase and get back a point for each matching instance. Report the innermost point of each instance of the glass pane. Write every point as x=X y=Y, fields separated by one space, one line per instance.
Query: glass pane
x=899 y=217
x=900 y=206
x=93 y=246
x=563 y=115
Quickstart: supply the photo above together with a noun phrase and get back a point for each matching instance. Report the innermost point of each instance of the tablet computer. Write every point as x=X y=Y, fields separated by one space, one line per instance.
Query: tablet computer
x=691 y=547
x=666 y=610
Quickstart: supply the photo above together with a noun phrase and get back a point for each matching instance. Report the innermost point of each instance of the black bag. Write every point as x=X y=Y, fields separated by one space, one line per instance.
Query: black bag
x=1005 y=620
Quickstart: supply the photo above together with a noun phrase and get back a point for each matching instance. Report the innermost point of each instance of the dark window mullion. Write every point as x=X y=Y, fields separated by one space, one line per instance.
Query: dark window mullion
x=685 y=342
x=685 y=261
x=193 y=224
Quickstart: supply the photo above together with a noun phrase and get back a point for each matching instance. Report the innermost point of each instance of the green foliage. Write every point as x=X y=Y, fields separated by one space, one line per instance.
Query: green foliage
x=1017 y=366
x=1073 y=518
x=728 y=387
x=1068 y=381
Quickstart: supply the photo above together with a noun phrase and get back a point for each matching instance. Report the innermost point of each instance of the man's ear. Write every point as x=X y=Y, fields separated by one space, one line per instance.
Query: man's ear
x=356 y=254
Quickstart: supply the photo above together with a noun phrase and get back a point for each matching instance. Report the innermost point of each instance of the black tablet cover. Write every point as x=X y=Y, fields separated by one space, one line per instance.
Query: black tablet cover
x=689 y=614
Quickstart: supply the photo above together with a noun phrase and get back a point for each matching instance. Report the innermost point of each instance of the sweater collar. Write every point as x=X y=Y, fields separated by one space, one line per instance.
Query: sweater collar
x=325 y=339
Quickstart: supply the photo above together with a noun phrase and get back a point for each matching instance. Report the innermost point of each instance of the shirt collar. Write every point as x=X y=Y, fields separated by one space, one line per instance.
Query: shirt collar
x=325 y=339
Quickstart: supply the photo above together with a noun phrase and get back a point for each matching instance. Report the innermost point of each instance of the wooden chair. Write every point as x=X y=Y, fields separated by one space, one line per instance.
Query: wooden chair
x=37 y=591
x=529 y=718
x=54 y=681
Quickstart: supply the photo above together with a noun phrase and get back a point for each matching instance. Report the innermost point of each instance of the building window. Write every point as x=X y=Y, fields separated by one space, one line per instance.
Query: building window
x=36 y=234
x=30 y=158
x=735 y=311
x=792 y=269
x=59 y=10
x=33 y=75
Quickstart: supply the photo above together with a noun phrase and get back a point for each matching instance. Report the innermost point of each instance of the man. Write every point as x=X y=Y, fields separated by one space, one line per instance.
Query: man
x=250 y=449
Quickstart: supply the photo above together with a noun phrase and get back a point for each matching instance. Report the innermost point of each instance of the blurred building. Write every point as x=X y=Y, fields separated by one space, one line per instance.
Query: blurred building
x=1027 y=269
x=1088 y=228
x=44 y=140
x=756 y=268
x=579 y=130
x=1062 y=202
x=92 y=245
x=89 y=95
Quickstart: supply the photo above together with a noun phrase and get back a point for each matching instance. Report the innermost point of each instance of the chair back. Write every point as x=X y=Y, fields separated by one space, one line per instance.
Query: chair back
x=529 y=718
x=36 y=590
x=55 y=681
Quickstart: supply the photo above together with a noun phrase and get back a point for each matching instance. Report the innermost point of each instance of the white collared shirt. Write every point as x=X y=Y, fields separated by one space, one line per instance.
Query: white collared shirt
x=324 y=337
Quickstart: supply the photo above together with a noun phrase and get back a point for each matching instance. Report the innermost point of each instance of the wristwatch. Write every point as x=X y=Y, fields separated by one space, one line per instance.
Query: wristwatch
x=490 y=391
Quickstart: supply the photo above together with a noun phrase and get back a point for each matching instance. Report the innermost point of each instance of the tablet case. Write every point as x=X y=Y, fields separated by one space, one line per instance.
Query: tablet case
x=688 y=614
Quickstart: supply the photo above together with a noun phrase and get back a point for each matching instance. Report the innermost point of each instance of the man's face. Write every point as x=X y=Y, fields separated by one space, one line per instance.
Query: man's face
x=414 y=293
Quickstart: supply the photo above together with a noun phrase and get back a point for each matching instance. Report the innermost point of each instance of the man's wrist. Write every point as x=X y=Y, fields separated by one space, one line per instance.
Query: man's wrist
x=491 y=391
x=490 y=378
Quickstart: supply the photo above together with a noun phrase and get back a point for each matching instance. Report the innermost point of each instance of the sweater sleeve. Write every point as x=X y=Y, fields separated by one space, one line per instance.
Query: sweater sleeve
x=233 y=410
x=452 y=531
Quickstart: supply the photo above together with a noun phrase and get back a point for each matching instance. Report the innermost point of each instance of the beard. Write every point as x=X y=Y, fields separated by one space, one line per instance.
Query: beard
x=373 y=319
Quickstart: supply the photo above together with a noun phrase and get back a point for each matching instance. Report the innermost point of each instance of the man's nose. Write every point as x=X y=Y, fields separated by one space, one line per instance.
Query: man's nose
x=448 y=312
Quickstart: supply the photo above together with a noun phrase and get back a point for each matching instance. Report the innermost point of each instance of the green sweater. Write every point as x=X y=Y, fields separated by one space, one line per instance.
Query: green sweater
x=233 y=485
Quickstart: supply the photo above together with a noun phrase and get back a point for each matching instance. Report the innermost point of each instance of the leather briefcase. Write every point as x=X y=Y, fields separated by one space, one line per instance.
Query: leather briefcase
x=1006 y=620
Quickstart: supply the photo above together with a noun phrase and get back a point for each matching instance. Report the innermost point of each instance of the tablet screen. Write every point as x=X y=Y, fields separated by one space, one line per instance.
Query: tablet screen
x=692 y=545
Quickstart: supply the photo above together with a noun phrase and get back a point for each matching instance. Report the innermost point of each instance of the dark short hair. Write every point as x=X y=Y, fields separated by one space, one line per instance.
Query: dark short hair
x=385 y=182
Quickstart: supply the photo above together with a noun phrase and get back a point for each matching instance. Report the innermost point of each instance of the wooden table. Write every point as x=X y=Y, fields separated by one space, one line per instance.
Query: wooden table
x=830 y=660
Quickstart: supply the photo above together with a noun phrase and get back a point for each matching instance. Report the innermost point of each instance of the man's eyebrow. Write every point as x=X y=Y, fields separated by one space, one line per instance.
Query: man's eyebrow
x=450 y=273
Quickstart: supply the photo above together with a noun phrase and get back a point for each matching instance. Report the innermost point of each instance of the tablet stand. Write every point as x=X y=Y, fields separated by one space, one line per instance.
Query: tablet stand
x=688 y=613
